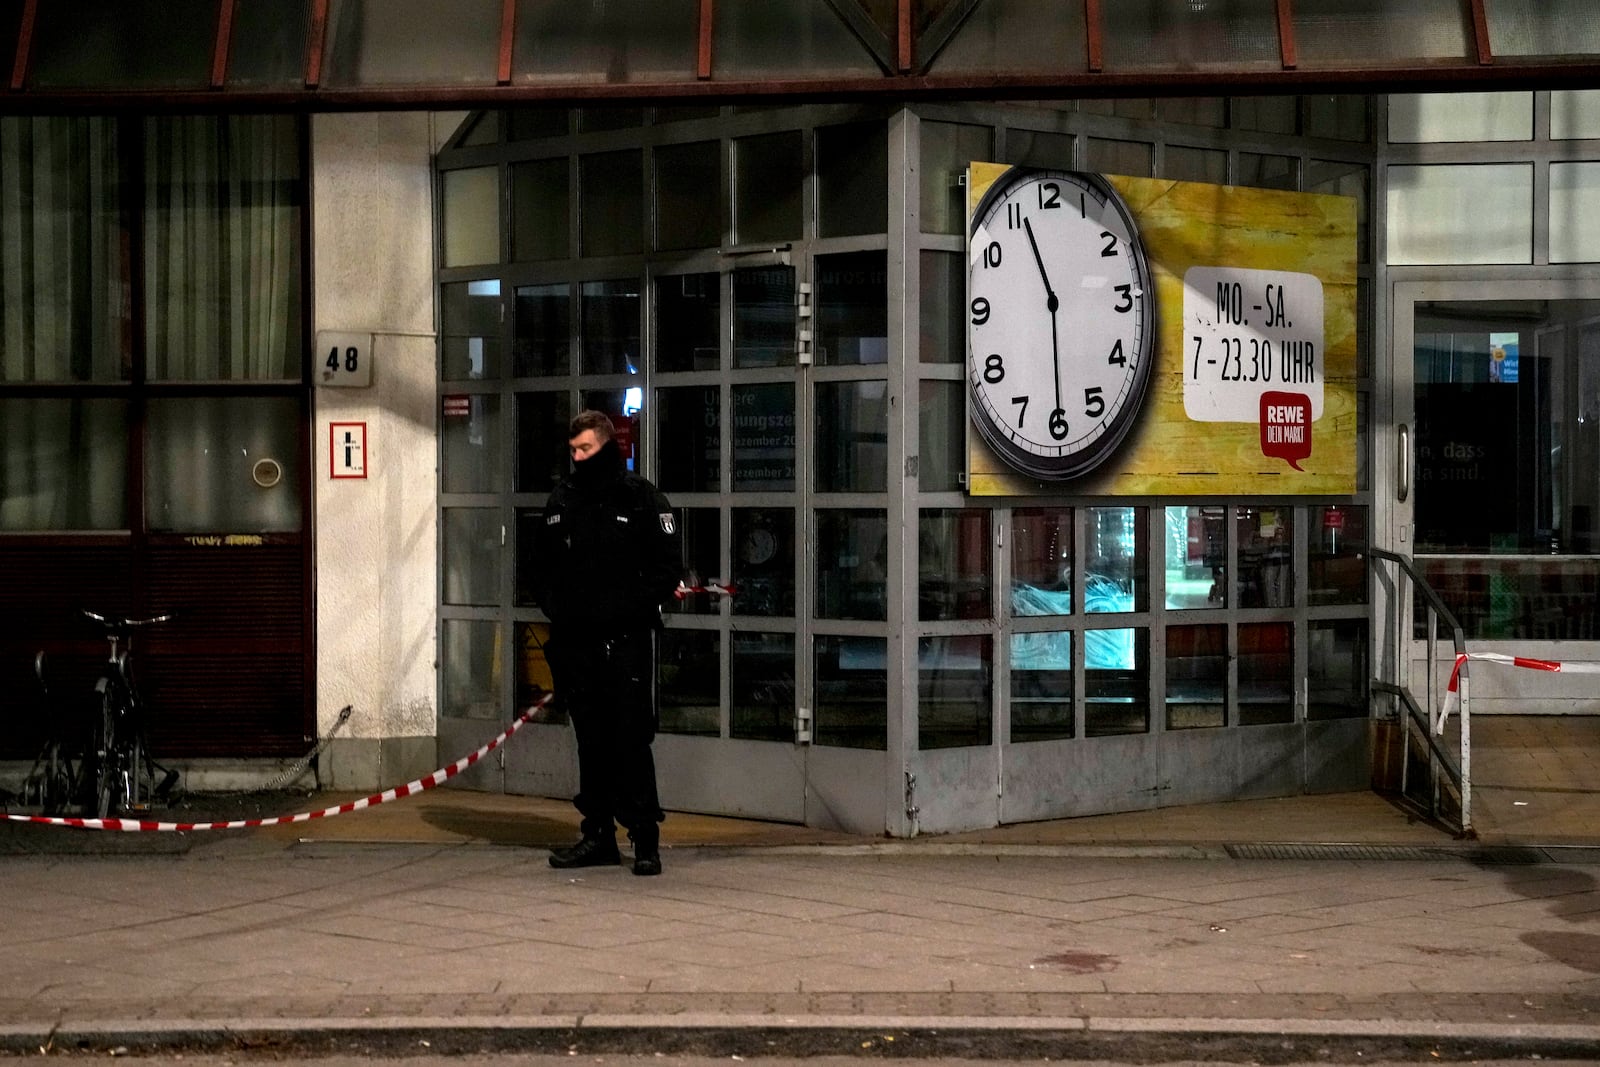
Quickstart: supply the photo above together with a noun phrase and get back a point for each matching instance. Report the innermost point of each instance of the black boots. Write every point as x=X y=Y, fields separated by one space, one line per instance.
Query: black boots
x=594 y=850
x=646 y=849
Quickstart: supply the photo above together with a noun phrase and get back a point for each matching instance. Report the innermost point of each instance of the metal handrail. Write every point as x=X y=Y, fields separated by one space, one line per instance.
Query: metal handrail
x=1429 y=723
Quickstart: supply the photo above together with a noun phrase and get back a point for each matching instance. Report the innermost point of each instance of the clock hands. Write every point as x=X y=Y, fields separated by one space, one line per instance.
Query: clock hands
x=1053 y=303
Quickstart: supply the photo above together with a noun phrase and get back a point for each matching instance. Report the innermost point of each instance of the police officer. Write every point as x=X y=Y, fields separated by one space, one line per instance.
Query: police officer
x=608 y=556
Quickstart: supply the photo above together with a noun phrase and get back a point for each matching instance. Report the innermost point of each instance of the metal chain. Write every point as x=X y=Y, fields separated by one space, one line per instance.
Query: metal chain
x=281 y=780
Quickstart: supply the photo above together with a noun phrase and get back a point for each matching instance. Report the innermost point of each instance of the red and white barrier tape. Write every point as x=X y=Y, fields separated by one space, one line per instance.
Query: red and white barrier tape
x=443 y=774
x=711 y=588
x=1452 y=693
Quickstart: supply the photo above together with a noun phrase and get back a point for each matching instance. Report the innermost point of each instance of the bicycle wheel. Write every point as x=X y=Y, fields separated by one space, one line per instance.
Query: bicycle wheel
x=105 y=758
x=55 y=792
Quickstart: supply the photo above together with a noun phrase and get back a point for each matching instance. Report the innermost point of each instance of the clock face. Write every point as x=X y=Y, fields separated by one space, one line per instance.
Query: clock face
x=1060 y=320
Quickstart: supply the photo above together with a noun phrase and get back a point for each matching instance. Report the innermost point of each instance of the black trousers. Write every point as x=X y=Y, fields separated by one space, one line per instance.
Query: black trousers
x=607 y=683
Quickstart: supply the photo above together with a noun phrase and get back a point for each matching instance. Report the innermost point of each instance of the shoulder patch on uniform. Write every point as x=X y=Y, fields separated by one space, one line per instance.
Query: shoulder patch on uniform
x=551 y=520
x=668 y=523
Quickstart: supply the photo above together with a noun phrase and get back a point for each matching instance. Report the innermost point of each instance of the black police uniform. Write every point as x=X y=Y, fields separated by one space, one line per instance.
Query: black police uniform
x=608 y=556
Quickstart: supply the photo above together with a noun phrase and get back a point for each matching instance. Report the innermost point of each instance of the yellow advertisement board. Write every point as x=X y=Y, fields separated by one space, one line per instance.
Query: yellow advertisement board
x=1138 y=336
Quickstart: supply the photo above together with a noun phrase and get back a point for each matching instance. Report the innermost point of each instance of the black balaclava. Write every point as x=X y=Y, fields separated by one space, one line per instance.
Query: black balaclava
x=601 y=467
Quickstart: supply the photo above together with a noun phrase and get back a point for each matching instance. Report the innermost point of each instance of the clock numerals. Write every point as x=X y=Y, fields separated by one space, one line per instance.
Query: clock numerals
x=991 y=255
x=1049 y=196
x=1094 y=404
x=980 y=311
x=1111 y=244
x=1058 y=424
x=1021 y=401
x=1013 y=216
x=994 y=369
x=1116 y=358
x=1127 y=299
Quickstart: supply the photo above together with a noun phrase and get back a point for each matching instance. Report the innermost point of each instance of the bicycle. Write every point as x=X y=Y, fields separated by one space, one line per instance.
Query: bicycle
x=117 y=762
x=54 y=779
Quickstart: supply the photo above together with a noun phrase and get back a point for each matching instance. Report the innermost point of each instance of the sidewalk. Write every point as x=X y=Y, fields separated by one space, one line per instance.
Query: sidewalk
x=1303 y=924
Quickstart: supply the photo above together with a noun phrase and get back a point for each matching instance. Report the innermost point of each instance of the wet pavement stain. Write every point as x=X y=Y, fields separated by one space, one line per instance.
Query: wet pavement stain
x=1079 y=962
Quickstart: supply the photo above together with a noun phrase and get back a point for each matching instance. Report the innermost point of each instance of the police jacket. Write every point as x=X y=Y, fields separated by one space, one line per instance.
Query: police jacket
x=608 y=552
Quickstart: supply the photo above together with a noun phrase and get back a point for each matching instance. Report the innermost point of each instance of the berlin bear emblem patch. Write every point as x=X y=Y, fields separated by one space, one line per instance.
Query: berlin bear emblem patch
x=667 y=524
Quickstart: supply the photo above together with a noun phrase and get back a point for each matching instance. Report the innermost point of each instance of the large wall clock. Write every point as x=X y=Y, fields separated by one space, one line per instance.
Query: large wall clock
x=1060 y=321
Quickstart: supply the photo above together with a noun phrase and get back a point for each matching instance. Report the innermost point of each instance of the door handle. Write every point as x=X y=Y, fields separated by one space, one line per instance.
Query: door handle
x=1403 y=489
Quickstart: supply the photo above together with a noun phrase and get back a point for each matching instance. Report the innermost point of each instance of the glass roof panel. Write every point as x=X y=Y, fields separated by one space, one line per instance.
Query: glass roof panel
x=1191 y=34
x=411 y=42
x=268 y=49
x=124 y=44
x=10 y=18
x=1543 y=27
x=1355 y=33
x=616 y=41
x=786 y=38
x=1017 y=36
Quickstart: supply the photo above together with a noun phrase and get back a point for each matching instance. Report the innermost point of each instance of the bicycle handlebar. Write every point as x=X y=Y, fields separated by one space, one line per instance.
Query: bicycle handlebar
x=124 y=624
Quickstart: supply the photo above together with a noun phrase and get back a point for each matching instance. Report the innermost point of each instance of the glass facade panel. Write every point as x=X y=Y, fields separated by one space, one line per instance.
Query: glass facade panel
x=1339 y=118
x=617 y=41
x=947 y=148
x=471 y=216
x=470 y=551
x=541 y=343
x=1036 y=148
x=1337 y=671
x=542 y=457
x=1041 y=686
x=763 y=561
x=1197 y=556
x=1336 y=571
x=532 y=123
x=1574 y=212
x=763 y=437
x=1116 y=559
x=954 y=557
x=223 y=464
x=123 y=44
x=688 y=195
x=411 y=42
x=1342 y=33
x=1543 y=27
x=852 y=440
x=470 y=665
x=1266 y=673
x=469 y=330
x=771 y=40
x=469 y=443
x=1209 y=111
x=943 y=337
x=1265 y=539
x=268 y=49
x=1418 y=117
x=610 y=327
x=1022 y=35
x=64 y=289
x=690 y=673
x=1116 y=682
x=764 y=317
x=1460 y=213
x=222 y=248
x=852 y=179
x=1556 y=598
x=1041 y=561
x=955 y=699
x=540 y=202
x=1180 y=35
x=688 y=322
x=689 y=458
x=852 y=692
x=1268 y=172
x=533 y=673
x=1118 y=157
x=1264 y=114
x=611 y=203
x=761 y=686
x=1197 y=677
x=1574 y=113
x=528 y=523
x=852 y=557
x=852 y=308
x=767 y=177
x=63 y=464
x=1194 y=164
x=941 y=429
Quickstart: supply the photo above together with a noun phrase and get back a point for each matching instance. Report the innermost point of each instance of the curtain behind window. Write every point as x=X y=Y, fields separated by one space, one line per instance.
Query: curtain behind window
x=222 y=249
x=62 y=270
